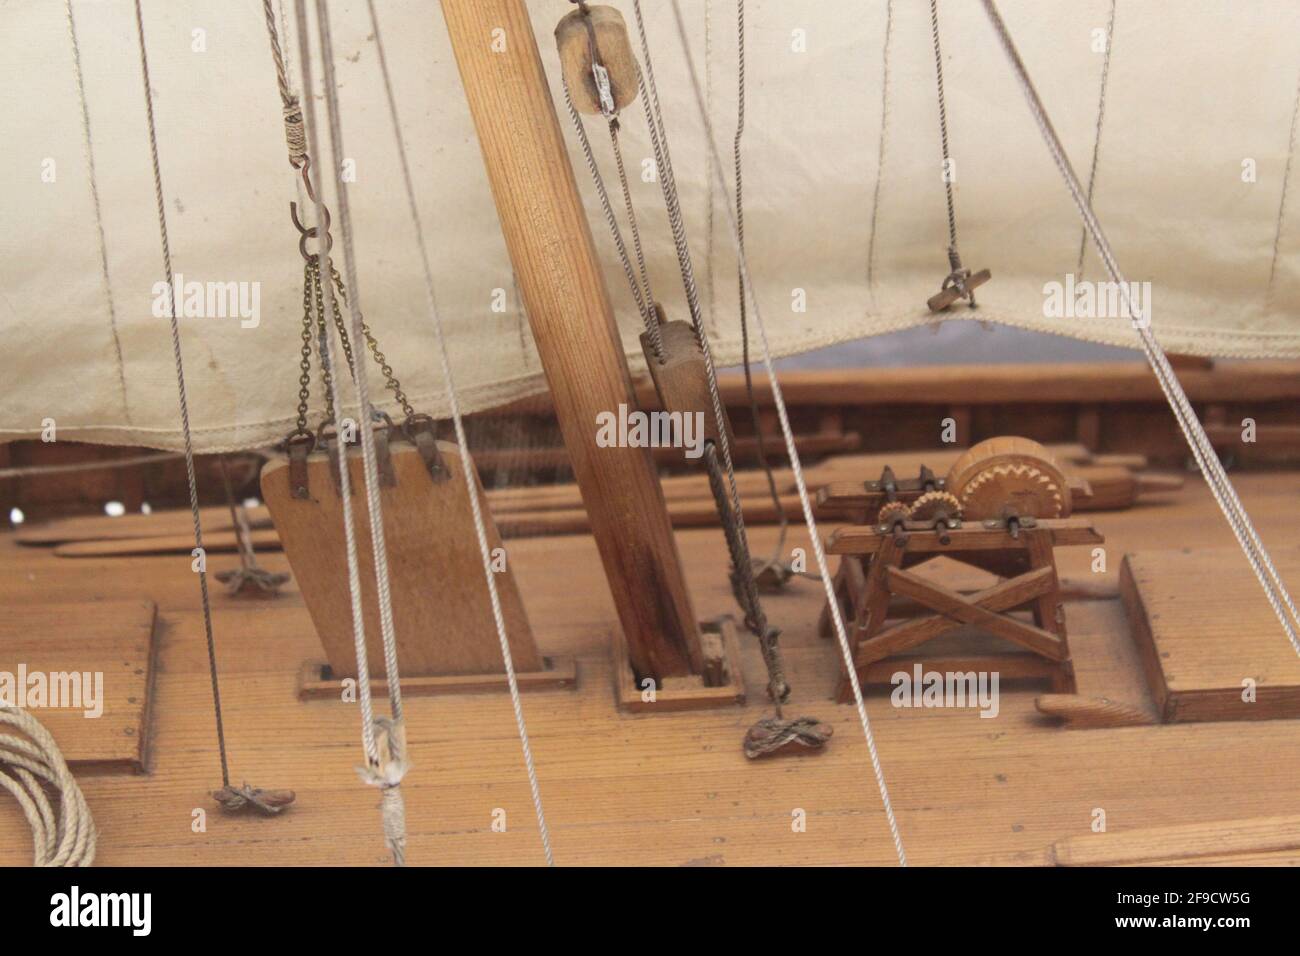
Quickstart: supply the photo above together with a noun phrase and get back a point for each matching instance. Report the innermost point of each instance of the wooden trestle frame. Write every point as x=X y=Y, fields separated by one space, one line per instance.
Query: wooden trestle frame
x=874 y=569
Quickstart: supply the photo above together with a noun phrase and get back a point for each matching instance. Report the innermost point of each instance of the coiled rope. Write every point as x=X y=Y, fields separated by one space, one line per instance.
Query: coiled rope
x=31 y=763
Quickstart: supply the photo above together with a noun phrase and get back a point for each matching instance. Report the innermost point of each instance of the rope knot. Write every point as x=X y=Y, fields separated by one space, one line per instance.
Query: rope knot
x=772 y=734
x=390 y=742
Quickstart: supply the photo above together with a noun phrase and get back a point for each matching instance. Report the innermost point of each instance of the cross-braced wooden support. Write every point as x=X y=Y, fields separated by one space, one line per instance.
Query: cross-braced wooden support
x=874 y=572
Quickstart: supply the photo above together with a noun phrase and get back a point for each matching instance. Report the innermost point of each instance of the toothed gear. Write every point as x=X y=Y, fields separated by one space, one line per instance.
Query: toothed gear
x=1007 y=475
x=934 y=505
x=892 y=513
x=1024 y=489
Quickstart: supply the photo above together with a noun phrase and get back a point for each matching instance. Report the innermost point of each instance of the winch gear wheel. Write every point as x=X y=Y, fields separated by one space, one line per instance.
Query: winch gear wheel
x=1009 y=476
x=934 y=505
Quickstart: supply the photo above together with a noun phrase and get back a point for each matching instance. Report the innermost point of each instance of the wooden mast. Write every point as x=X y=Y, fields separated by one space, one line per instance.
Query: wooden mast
x=568 y=307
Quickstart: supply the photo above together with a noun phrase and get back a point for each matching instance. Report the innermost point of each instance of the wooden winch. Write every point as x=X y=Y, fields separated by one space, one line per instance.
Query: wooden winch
x=1003 y=507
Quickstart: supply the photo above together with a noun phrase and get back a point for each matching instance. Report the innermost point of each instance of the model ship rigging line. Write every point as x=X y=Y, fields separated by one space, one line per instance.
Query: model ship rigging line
x=678 y=355
x=938 y=510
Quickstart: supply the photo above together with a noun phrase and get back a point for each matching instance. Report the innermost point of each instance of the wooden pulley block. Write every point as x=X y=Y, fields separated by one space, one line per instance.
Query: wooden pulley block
x=681 y=376
x=1009 y=475
x=602 y=28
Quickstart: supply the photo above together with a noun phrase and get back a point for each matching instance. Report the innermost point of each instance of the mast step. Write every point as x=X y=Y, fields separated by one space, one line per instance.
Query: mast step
x=720 y=684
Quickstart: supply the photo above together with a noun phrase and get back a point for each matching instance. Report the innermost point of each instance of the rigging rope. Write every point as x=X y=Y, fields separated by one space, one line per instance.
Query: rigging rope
x=668 y=184
x=715 y=163
x=471 y=481
x=721 y=475
x=384 y=740
x=957 y=276
x=62 y=837
x=184 y=404
x=784 y=523
x=648 y=316
x=1096 y=140
x=1208 y=460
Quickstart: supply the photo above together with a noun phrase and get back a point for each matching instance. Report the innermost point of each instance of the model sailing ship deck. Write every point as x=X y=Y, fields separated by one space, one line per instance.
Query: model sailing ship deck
x=1006 y=577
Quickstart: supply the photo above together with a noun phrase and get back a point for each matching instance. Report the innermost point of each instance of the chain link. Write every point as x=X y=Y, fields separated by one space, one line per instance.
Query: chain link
x=390 y=379
x=304 y=363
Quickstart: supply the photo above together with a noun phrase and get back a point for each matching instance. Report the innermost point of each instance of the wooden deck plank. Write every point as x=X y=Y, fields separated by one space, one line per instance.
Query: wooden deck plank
x=673 y=789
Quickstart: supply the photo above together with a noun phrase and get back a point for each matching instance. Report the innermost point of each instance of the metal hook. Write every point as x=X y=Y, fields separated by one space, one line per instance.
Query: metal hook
x=313 y=233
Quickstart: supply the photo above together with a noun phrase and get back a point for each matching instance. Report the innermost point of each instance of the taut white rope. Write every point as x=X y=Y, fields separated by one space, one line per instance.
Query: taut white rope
x=1199 y=443
x=470 y=479
x=376 y=764
x=715 y=163
x=62 y=838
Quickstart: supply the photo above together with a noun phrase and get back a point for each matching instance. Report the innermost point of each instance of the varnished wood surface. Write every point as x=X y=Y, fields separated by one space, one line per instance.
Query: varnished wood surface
x=563 y=288
x=432 y=550
x=672 y=789
x=1200 y=646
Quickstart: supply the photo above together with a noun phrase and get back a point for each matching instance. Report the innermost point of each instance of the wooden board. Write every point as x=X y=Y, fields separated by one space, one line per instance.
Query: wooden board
x=441 y=611
x=318 y=683
x=114 y=639
x=1188 y=842
x=1204 y=627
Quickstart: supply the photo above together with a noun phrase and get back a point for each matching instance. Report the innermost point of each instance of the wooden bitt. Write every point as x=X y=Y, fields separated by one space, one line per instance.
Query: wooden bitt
x=317 y=681
x=574 y=35
x=681 y=376
x=693 y=692
x=442 y=614
x=563 y=286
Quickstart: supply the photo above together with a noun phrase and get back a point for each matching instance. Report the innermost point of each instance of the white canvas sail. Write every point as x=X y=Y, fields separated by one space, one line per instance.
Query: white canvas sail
x=846 y=229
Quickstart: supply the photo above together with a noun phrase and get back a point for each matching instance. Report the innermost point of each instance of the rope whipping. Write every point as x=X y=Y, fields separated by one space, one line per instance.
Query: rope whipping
x=819 y=551
x=1206 y=458
x=480 y=525
x=384 y=739
x=31 y=765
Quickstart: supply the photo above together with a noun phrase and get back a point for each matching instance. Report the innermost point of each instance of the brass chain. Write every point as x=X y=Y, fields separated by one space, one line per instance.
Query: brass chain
x=313 y=295
x=390 y=379
x=327 y=377
x=304 y=363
